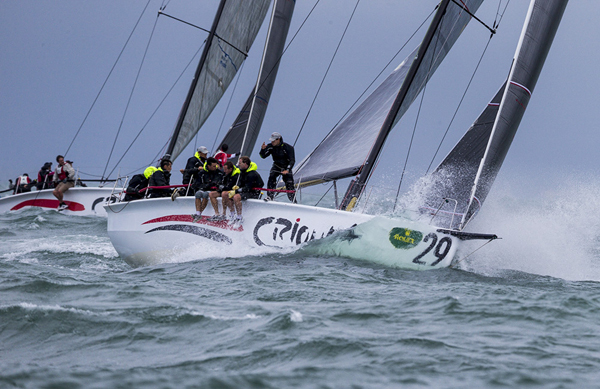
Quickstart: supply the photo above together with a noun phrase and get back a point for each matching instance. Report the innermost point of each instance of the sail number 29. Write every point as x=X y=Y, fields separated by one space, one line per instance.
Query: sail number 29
x=442 y=248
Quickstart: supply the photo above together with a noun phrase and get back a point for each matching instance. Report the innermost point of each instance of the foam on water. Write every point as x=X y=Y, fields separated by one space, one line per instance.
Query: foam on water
x=296 y=316
x=556 y=233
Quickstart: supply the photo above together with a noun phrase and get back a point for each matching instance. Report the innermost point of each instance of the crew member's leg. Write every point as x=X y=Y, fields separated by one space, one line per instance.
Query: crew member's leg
x=273 y=175
x=213 y=200
x=227 y=203
x=289 y=185
x=237 y=200
x=201 y=202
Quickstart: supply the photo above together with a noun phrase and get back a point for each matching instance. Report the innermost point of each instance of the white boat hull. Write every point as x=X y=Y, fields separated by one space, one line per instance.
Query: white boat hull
x=152 y=231
x=81 y=201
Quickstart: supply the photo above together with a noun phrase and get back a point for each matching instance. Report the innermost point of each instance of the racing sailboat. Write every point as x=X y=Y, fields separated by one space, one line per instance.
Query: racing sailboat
x=152 y=231
x=81 y=201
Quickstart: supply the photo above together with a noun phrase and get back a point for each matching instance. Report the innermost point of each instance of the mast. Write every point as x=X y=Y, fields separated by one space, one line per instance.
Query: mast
x=357 y=185
x=188 y=99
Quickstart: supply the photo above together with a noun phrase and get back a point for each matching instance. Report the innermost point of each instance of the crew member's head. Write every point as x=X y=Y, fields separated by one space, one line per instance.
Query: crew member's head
x=244 y=163
x=203 y=151
x=60 y=159
x=166 y=164
x=276 y=139
x=224 y=147
x=211 y=164
x=228 y=167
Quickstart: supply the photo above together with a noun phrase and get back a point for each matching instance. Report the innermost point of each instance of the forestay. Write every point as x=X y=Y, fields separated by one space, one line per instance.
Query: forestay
x=242 y=135
x=235 y=28
x=342 y=153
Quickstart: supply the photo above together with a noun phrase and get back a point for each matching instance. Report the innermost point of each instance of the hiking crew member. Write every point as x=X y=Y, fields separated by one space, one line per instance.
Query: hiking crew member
x=23 y=184
x=194 y=165
x=221 y=156
x=283 y=162
x=64 y=179
x=137 y=183
x=209 y=179
x=44 y=180
x=230 y=180
x=249 y=180
x=161 y=177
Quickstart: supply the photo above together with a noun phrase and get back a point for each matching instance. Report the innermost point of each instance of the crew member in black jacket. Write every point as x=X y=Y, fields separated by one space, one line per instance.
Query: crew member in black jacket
x=250 y=182
x=283 y=162
x=161 y=177
x=194 y=165
x=207 y=185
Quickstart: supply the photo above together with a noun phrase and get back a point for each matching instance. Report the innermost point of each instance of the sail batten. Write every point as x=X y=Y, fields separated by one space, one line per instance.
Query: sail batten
x=234 y=29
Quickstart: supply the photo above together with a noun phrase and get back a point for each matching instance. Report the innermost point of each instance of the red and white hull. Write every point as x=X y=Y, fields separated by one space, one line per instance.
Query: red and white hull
x=151 y=231
x=82 y=201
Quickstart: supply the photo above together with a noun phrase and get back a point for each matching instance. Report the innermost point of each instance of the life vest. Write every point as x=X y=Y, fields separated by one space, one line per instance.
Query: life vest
x=150 y=171
x=197 y=155
x=23 y=180
x=252 y=166
x=62 y=174
x=222 y=157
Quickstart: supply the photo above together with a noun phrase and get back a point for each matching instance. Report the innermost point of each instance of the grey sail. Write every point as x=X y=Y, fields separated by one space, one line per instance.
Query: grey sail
x=242 y=135
x=344 y=151
x=455 y=175
x=236 y=25
x=538 y=33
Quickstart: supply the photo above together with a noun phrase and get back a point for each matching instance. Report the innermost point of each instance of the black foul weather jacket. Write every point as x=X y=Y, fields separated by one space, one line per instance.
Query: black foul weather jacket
x=283 y=156
x=249 y=180
x=207 y=180
x=137 y=182
x=191 y=168
x=160 y=178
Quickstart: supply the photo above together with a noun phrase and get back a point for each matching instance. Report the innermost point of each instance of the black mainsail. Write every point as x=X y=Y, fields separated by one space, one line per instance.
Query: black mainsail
x=234 y=29
x=242 y=135
x=354 y=145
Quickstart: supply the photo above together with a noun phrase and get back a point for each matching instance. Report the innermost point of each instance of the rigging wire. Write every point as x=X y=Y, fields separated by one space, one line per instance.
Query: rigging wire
x=158 y=107
x=325 y=194
x=107 y=77
x=427 y=77
x=496 y=24
x=239 y=75
x=371 y=84
x=412 y=137
x=130 y=95
x=327 y=71
x=459 y=104
x=281 y=56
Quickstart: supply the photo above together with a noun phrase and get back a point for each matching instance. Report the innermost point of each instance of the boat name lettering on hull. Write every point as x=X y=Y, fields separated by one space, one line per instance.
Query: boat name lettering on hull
x=283 y=229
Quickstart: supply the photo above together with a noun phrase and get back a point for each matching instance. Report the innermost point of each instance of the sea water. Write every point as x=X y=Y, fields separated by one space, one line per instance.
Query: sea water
x=523 y=311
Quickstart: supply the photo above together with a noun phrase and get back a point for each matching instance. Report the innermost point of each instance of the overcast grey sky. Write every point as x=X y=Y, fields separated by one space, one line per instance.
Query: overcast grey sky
x=57 y=54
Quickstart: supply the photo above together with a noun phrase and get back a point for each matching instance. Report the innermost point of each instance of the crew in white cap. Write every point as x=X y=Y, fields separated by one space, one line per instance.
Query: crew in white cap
x=283 y=162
